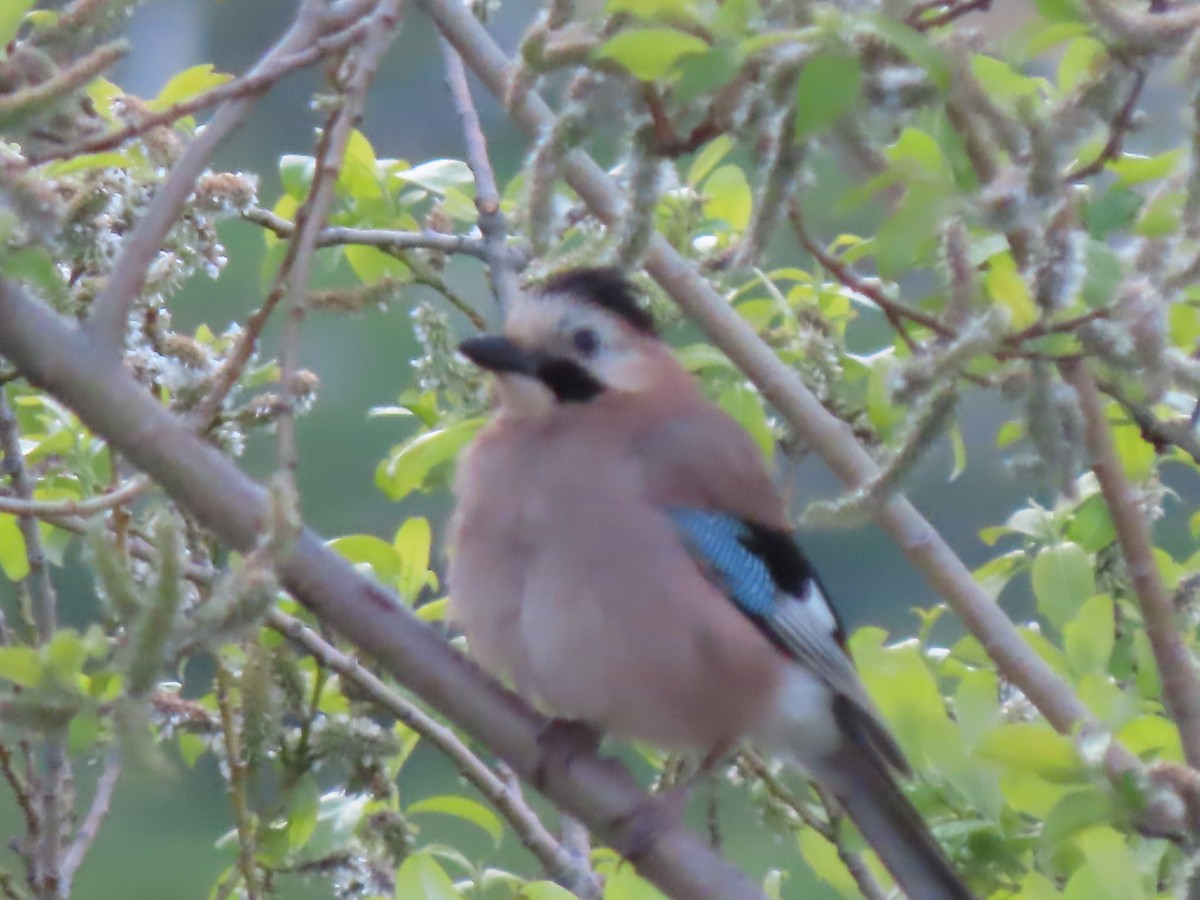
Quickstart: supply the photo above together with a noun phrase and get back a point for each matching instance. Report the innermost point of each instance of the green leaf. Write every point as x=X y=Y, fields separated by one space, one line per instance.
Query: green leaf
x=1110 y=858
x=706 y=160
x=913 y=44
x=296 y=174
x=1114 y=210
x=623 y=883
x=727 y=197
x=1136 y=453
x=1001 y=80
x=1091 y=527
x=650 y=53
x=977 y=705
x=1062 y=580
x=411 y=466
x=653 y=9
x=439 y=176
x=359 y=176
x=1082 y=59
x=1131 y=168
x=823 y=858
x=433 y=611
x=372 y=265
x=544 y=890
x=191 y=748
x=65 y=655
x=462 y=808
x=1033 y=748
x=745 y=405
x=14 y=559
x=1007 y=287
x=188 y=84
x=20 y=665
x=1088 y=639
x=413 y=543
x=381 y=556
x=421 y=876
x=1073 y=813
x=1103 y=274
x=12 y=14
x=828 y=87
x=303 y=806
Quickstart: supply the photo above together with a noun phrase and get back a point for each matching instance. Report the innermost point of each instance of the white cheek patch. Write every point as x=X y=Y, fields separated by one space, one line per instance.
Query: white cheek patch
x=522 y=397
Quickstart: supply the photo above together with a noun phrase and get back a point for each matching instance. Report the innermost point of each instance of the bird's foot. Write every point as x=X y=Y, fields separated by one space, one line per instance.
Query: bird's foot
x=642 y=826
x=559 y=742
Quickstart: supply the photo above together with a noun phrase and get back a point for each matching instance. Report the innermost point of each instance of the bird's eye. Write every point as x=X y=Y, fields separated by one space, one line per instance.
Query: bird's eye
x=586 y=341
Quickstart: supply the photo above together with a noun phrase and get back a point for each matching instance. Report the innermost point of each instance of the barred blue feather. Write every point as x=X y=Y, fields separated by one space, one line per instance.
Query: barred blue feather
x=721 y=541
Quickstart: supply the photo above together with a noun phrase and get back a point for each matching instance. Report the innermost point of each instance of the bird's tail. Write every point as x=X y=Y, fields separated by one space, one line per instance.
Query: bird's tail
x=860 y=780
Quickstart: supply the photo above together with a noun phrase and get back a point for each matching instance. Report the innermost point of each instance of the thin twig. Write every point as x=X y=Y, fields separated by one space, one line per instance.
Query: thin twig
x=558 y=859
x=237 y=788
x=46 y=509
x=897 y=313
x=1121 y=124
x=292 y=280
x=20 y=789
x=918 y=20
x=250 y=83
x=90 y=827
x=385 y=239
x=1180 y=433
x=501 y=266
x=110 y=310
x=1181 y=689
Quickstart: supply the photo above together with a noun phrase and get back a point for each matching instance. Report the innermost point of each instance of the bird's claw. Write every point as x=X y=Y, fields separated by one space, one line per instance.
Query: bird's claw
x=649 y=819
x=559 y=742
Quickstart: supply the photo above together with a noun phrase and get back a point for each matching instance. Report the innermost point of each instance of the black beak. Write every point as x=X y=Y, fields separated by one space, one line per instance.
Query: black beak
x=496 y=353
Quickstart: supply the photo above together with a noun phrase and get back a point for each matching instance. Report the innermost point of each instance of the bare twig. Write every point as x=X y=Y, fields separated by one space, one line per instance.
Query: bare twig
x=1180 y=433
x=384 y=239
x=110 y=310
x=502 y=266
x=235 y=763
x=1181 y=691
x=752 y=764
x=20 y=789
x=1116 y=133
x=293 y=277
x=559 y=861
x=919 y=19
x=251 y=83
x=90 y=827
x=897 y=313
x=48 y=509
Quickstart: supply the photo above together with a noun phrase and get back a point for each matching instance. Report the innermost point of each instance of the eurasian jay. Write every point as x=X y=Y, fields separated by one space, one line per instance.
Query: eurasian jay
x=620 y=554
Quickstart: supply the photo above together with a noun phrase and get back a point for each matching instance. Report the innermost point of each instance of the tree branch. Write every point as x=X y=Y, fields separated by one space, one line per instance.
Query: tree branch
x=502 y=267
x=90 y=827
x=1181 y=691
x=373 y=237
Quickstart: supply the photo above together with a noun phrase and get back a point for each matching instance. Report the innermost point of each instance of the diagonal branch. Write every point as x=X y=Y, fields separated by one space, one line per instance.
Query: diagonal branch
x=562 y=865
x=831 y=438
x=501 y=263
x=92 y=381
x=1181 y=690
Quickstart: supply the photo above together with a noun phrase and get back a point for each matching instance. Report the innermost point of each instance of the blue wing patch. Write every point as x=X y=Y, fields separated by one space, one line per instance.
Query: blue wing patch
x=720 y=541
x=761 y=569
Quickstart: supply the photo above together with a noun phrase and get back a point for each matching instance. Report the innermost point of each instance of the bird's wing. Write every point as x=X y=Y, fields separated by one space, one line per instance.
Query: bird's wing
x=766 y=576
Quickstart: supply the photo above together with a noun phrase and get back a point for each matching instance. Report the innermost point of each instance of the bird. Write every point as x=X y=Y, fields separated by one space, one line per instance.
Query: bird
x=620 y=554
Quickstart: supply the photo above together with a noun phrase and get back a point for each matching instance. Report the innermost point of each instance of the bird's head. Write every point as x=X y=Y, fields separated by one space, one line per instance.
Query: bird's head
x=581 y=337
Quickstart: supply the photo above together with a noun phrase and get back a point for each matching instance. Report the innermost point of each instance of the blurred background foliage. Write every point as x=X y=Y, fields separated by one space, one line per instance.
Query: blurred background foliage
x=1007 y=793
